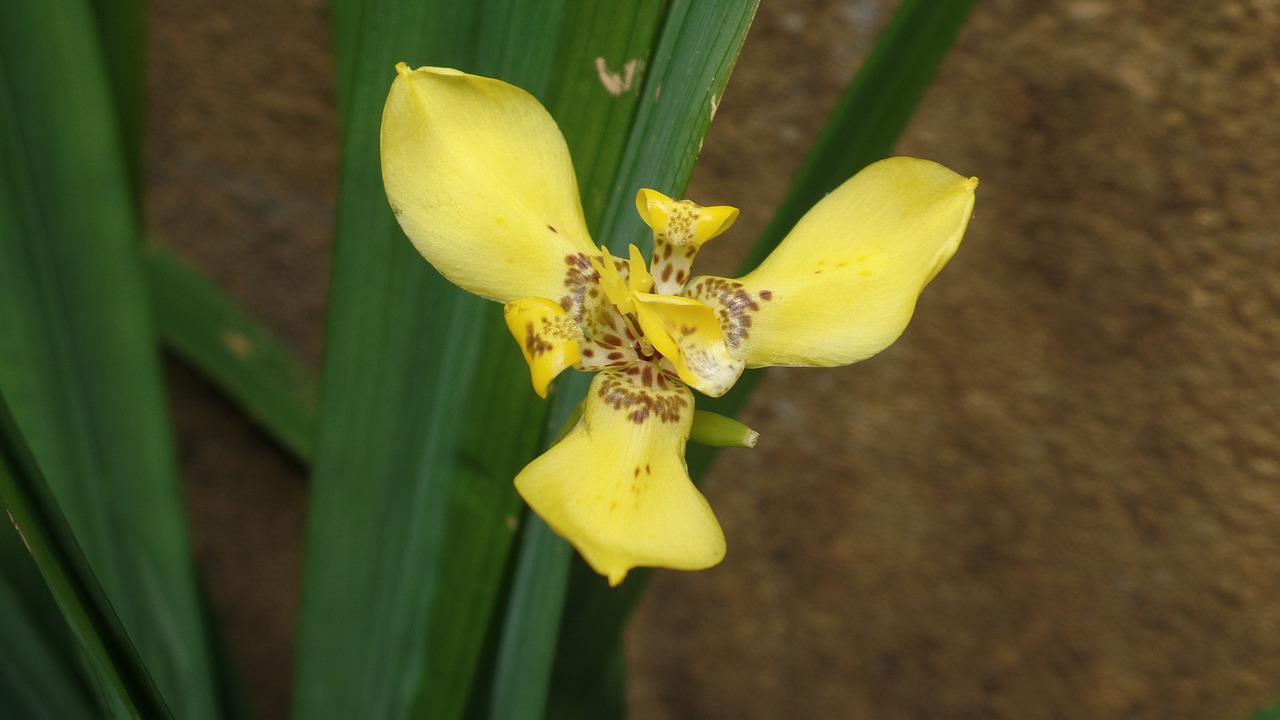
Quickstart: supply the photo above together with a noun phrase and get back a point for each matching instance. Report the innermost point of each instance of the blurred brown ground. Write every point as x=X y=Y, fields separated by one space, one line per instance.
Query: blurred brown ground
x=1055 y=497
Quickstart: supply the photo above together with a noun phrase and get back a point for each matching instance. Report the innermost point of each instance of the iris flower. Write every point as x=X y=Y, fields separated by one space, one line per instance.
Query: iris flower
x=480 y=179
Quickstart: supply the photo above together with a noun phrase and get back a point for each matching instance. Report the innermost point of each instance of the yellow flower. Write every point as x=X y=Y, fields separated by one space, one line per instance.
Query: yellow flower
x=479 y=177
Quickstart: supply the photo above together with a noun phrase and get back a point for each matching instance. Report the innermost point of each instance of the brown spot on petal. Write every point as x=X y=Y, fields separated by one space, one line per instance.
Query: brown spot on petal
x=534 y=343
x=733 y=303
x=640 y=398
x=579 y=278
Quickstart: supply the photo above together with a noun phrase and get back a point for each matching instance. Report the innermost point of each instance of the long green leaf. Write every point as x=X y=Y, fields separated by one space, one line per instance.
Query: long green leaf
x=871 y=114
x=122 y=26
x=34 y=512
x=602 y=41
x=77 y=350
x=35 y=683
x=253 y=367
x=697 y=46
x=40 y=666
x=872 y=111
x=437 y=512
x=395 y=465
x=1271 y=712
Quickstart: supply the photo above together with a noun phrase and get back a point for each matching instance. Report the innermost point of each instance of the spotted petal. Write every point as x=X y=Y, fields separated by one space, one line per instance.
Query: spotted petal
x=548 y=337
x=480 y=179
x=688 y=334
x=616 y=486
x=843 y=284
x=680 y=228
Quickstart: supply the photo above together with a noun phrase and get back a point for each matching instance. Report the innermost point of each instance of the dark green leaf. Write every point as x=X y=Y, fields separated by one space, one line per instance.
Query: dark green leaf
x=697 y=45
x=1271 y=712
x=78 y=357
x=122 y=27
x=34 y=512
x=426 y=405
x=873 y=110
x=35 y=681
x=868 y=119
x=209 y=330
x=40 y=665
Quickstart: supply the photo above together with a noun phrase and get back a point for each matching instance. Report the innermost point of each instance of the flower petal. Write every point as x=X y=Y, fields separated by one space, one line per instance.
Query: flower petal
x=548 y=337
x=843 y=284
x=688 y=334
x=480 y=179
x=680 y=227
x=616 y=486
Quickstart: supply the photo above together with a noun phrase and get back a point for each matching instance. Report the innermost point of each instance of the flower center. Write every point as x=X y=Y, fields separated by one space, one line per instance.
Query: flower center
x=621 y=293
x=626 y=318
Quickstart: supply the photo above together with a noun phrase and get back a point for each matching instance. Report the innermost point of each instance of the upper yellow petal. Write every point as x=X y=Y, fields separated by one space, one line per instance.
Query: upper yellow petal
x=480 y=179
x=843 y=284
x=680 y=228
x=616 y=486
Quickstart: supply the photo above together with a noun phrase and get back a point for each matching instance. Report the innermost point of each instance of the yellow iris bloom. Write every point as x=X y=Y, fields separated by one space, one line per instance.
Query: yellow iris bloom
x=480 y=179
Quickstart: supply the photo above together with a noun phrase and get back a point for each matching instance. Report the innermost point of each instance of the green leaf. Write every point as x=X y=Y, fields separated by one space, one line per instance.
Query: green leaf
x=868 y=119
x=122 y=27
x=527 y=646
x=403 y=367
x=35 y=682
x=78 y=355
x=208 y=329
x=604 y=697
x=1271 y=712
x=40 y=666
x=696 y=48
x=34 y=512
x=689 y=69
x=423 y=415
x=601 y=40
x=872 y=111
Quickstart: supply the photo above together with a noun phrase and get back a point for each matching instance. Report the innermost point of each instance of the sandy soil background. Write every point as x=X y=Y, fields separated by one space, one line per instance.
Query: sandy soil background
x=1055 y=497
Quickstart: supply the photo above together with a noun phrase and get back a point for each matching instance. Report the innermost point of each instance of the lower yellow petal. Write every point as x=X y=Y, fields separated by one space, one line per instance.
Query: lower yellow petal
x=843 y=284
x=616 y=486
x=480 y=179
x=548 y=338
x=688 y=334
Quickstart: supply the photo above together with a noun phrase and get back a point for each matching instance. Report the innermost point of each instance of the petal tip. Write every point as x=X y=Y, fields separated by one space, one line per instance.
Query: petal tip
x=648 y=200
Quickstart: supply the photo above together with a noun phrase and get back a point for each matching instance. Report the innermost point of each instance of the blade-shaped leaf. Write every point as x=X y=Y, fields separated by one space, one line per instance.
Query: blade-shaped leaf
x=401 y=458
x=1271 y=712
x=868 y=119
x=35 y=683
x=434 y=511
x=207 y=328
x=872 y=111
x=77 y=350
x=34 y=512
x=40 y=670
x=122 y=27
x=696 y=49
